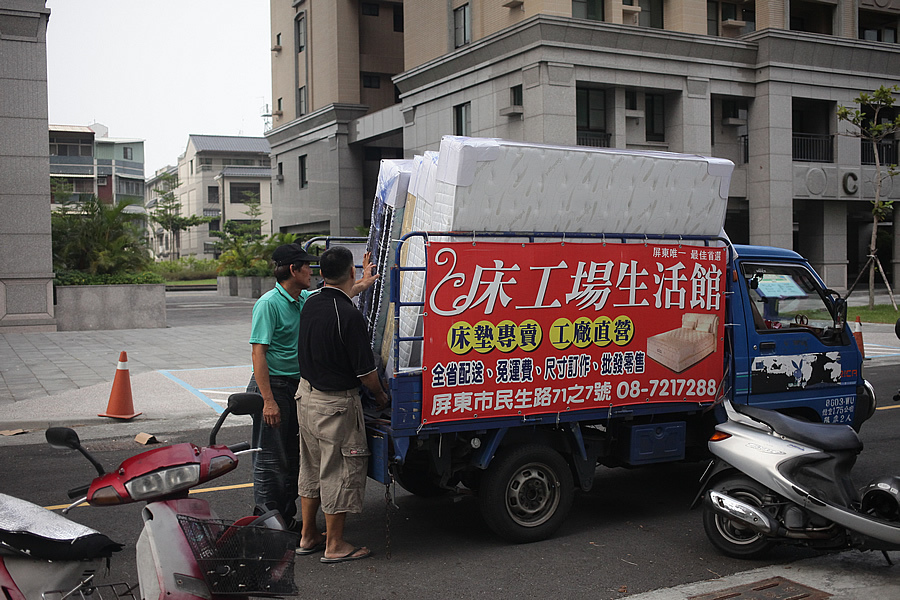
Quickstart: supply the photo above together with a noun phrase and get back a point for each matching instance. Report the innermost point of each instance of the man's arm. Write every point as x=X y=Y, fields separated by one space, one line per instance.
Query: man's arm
x=371 y=381
x=271 y=412
x=368 y=277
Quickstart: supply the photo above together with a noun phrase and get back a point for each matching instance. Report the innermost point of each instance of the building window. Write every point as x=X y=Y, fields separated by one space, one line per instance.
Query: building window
x=301 y=101
x=651 y=14
x=278 y=105
x=877 y=27
x=214 y=225
x=712 y=18
x=370 y=9
x=71 y=147
x=277 y=39
x=630 y=100
x=590 y=117
x=304 y=175
x=371 y=81
x=516 y=97
x=191 y=167
x=655 y=117
x=239 y=162
x=301 y=34
x=212 y=194
x=127 y=152
x=812 y=17
x=129 y=187
x=101 y=181
x=244 y=192
x=398 y=18
x=462 y=119
x=588 y=9
x=462 y=25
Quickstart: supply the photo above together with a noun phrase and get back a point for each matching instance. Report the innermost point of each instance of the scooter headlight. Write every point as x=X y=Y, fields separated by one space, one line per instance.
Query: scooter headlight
x=164 y=482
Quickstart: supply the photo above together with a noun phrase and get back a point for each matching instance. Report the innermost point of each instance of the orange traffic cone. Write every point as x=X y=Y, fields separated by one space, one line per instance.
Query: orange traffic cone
x=857 y=333
x=121 y=405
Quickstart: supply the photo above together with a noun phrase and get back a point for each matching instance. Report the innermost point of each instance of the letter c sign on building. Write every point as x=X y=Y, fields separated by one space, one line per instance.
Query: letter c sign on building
x=850 y=185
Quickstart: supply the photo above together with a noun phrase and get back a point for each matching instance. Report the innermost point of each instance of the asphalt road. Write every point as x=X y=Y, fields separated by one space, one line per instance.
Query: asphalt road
x=632 y=533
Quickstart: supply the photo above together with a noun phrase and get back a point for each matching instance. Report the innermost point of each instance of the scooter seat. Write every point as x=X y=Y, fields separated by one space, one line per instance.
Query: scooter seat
x=829 y=437
x=27 y=528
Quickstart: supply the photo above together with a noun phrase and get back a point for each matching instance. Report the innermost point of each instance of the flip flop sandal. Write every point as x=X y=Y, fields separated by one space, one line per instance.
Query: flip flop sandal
x=347 y=557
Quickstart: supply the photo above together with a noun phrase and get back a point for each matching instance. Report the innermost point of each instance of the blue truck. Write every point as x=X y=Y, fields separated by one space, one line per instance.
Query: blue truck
x=626 y=370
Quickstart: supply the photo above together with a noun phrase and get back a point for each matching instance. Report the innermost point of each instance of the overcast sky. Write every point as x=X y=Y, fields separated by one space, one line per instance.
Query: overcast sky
x=160 y=70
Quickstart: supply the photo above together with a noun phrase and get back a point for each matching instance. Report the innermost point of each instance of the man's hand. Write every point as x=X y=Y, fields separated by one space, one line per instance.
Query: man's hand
x=368 y=276
x=271 y=413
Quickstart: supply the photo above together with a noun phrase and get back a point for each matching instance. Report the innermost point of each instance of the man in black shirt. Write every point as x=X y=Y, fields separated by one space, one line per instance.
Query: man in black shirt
x=335 y=357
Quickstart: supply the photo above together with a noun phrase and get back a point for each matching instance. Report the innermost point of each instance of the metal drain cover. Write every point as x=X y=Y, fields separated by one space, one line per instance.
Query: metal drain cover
x=776 y=588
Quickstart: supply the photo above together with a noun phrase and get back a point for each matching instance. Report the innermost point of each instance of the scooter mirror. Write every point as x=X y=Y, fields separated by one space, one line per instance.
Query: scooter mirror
x=62 y=437
x=897 y=328
x=245 y=403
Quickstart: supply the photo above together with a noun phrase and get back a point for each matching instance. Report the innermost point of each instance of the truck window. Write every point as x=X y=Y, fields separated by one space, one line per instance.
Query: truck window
x=786 y=297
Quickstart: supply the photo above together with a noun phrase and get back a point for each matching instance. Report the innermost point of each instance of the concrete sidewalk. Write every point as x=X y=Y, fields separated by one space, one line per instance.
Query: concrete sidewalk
x=180 y=375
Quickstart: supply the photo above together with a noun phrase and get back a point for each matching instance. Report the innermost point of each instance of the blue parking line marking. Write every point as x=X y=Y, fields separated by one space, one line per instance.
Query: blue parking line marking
x=212 y=404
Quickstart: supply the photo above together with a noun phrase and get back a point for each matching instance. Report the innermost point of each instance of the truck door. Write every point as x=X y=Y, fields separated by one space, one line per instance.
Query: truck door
x=798 y=357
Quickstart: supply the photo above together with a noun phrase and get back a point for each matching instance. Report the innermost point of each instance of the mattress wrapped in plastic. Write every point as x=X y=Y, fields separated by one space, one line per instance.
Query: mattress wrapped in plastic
x=476 y=184
x=387 y=217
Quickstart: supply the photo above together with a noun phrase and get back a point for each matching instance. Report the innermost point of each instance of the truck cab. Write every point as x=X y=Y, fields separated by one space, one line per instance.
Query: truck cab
x=793 y=350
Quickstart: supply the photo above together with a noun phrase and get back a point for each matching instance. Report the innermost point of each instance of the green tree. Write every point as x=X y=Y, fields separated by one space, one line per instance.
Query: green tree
x=60 y=190
x=167 y=213
x=97 y=238
x=872 y=123
x=244 y=250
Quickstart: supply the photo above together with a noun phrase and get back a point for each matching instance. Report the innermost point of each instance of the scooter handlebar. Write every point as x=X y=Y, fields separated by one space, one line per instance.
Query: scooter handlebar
x=239 y=447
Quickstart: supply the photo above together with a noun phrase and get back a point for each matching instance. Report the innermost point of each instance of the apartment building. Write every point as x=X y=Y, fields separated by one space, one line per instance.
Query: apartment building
x=92 y=163
x=758 y=82
x=217 y=175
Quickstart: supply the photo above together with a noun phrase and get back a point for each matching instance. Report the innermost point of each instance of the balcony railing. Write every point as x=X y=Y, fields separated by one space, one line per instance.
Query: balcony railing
x=887 y=152
x=594 y=139
x=811 y=147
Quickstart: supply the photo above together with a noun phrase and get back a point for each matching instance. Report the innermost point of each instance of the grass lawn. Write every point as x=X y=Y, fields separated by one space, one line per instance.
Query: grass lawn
x=193 y=282
x=882 y=313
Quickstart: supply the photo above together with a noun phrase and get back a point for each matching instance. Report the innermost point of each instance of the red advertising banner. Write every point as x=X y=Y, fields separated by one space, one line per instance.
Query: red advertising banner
x=513 y=329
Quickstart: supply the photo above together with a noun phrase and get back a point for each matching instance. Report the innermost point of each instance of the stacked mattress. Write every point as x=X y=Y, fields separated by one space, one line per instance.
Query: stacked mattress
x=488 y=185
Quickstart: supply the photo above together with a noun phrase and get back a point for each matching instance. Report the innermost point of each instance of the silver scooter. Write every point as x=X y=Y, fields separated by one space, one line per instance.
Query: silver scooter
x=779 y=480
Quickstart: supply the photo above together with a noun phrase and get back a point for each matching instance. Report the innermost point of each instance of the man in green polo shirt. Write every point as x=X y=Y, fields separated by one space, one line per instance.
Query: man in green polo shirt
x=274 y=333
x=276 y=373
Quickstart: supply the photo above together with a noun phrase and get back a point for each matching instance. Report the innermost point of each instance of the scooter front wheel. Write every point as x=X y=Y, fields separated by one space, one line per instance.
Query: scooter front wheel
x=731 y=537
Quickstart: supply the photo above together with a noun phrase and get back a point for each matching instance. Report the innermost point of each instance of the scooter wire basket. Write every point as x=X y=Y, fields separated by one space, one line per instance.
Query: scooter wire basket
x=246 y=560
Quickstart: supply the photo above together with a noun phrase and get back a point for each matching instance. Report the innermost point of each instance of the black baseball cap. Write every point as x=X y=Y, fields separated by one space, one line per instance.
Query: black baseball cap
x=290 y=254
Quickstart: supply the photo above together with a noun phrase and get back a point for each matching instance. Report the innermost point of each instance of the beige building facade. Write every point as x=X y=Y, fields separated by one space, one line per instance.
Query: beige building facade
x=217 y=175
x=758 y=83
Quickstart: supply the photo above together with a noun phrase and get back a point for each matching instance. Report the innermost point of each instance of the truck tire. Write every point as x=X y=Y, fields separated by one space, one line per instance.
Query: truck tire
x=730 y=537
x=526 y=493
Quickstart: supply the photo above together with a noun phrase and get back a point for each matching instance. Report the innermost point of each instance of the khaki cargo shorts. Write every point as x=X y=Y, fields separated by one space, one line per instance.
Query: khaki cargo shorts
x=334 y=455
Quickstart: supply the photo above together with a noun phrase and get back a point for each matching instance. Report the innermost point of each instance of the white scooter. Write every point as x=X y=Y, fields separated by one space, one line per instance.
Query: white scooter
x=778 y=480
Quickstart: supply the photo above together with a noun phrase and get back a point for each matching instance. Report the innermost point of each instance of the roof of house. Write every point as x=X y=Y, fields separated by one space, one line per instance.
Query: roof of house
x=239 y=171
x=230 y=143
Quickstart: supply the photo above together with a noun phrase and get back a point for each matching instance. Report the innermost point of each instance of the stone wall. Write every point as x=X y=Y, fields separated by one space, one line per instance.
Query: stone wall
x=103 y=307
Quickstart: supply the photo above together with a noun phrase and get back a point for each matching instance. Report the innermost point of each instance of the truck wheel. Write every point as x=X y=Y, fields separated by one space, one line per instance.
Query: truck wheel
x=526 y=493
x=731 y=537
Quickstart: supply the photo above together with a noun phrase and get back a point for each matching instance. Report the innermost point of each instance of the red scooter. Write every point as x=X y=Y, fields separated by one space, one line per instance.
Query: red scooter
x=185 y=551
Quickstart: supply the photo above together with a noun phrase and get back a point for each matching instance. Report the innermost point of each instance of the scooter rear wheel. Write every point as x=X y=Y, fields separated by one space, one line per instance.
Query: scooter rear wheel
x=732 y=537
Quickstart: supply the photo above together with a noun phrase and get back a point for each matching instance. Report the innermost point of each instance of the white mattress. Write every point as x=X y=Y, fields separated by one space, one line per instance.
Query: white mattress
x=476 y=184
